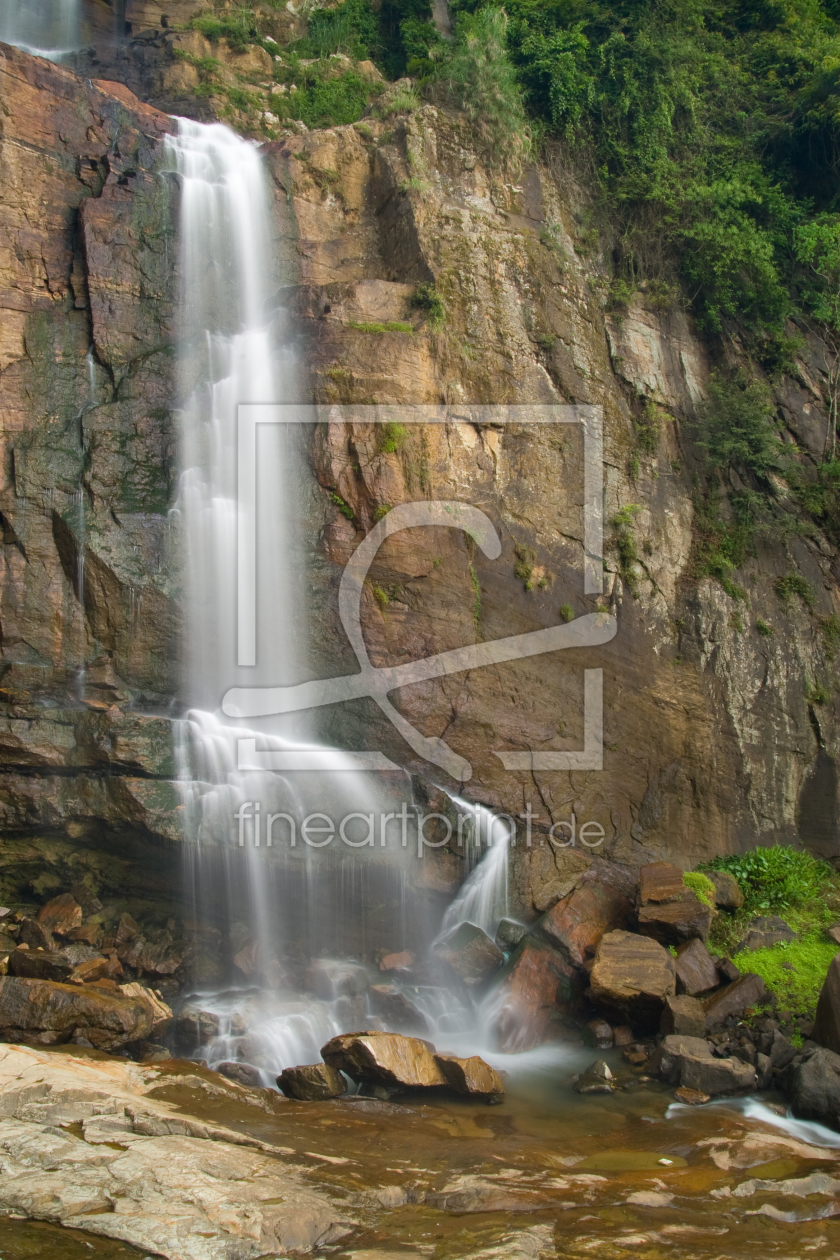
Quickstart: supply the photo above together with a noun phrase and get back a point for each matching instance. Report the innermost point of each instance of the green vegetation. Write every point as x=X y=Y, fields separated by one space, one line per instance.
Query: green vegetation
x=775 y=879
x=701 y=886
x=425 y=298
x=388 y=325
x=325 y=99
x=737 y=429
x=830 y=627
x=794 y=971
x=476 y=596
x=381 y=511
x=647 y=431
x=763 y=627
x=393 y=437
x=818 y=693
x=625 y=546
x=381 y=596
x=523 y=567
x=793 y=584
x=344 y=508
x=567 y=613
x=238 y=27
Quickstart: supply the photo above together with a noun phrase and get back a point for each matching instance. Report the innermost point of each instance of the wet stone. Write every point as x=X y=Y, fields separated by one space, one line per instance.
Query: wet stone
x=241 y=1073
x=826 y=1030
x=684 y=1016
x=692 y=1097
x=386 y=1059
x=471 y=954
x=396 y=1008
x=633 y=975
x=598 y=1033
x=471 y=1076
x=329 y=978
x=312 y=1082
x=509 y=933
x=597 y=1079
x=61 y=915
x=402 y=961
x=737 y=998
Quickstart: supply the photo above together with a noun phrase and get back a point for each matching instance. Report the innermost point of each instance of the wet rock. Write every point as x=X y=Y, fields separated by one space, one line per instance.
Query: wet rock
x=35 y=935
x=689 y=1062
x=765 y=931
x=737 y=998
x=692 y=1097
x=781 y=1051
x=576 y=923
x=683 y=1016
x=386 y=1059
x=812 y=1086
x=61 y=915
x=158 y=955
x=696 y=973
x=312 y=1082
x=46 y=1013
x=194 y=1027
x=402 y=961
x=826 y=1030
x=242 y=1073
x=597 y=1079
x=763 y=1070
x=39 y=964
x=668 y=911
x=623 y=1035
x=598 y=1033
x=471 y=1076
x=471 y=954
x=633 y=975
x=728 y=894
x=159 y=1013
x=127 y=930
x=96 y=969
x=536 y=988
x=329 y=978
x=151 y=1052
x=509 y=933
x=396 y=1008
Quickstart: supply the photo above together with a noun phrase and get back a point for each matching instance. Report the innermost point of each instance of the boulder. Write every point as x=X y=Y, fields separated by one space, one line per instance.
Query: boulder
x=312 y=1083
x=683 y=1016
x=243 y=1073
x=159 y=1013
x=690 y=1063
x=748 y=990
x=834 y=933
x=386 y=1059
x=633 y=975
x=598 y=1033
x=660 y=882
x=597 y=1079
x=577 y=922
x=159 y=954
x=826 y=1030
x=61 y=915
x=696 y=973
x=727 y=970
x=96 y=969
x=509 y=933
x=36 y=936
x=691 y=1097
x=39 y=964
x=396 y=1008
x=329 y=978
x=812 y=1086
x=764 y=931
x=536 y=987
x=471 y=954
x=668 y=911
x=781 y=1051
x=194 y=1027
x=470 y=1076
x=43 y=1013
x=402 y=961
x=728 y=894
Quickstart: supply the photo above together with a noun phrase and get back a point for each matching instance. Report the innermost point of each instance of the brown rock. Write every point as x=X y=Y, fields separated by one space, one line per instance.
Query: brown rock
x=61 y=915
x=387 y=1059
x=161 y=956
x=748 y=990
x=471 y=954
x=470 y=1076
x=689 y=1061
x=660 y=882
x=683 y=1016
x=312 y=1083
x=623 y=1035
x=92 y=969
x=128 y=929
x=46 y=1013
x=35 y=935
x=538 y=985
x=87 y=934
x=194 y=1027
x=598 y=1033
x=696 y=973
x=728 y=894
x=673 y=922
x=397 y=1009
x=692 y=1097
x=633 y=975
x=727 y=970
x=37 y=964
x=576 y=923
x=826 y=1030
x=597 y=1079
x=765 y=931
x=243 y=1073
x=403 y=961
x=159 y=1013
x=834 y=933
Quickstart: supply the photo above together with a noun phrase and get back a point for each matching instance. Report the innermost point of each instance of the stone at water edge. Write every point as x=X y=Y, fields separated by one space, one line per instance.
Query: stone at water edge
x=812 y=1086
x=633 y=975
x=748 y=990
x=402 y=961
x=471 y=954
x=696 y=972
x=598 y=1033
x=386 y=1059
x=692 y=1097
x=61 y=915
x=242 y=1073
x=597 y=1079
x=393 y=1005
x=684 y=1016
x=509 y=933
x=45 y=1013
x=826 y=1030
x=728 y=892
x=688 y=1061
x=577 y=922
x=536 y=988
x=330 y=978
x=471 y=1076
x=159 y=1013
x=194 y=1027
x=312 y=1082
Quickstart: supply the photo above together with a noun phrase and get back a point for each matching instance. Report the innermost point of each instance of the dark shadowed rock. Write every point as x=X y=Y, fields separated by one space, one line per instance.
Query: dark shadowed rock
x=765 y=931
x=61 y=915
x=386 y=1059
x=668 y=911
x=826 y=1030
x=577 y=922
x=597 y=1079
x=35 y=935
x=43 y=1013
x=728 y=894
x=727 y=970
x=812 y=1086
x=689 y=1062
x=312 y=1082
x=696 y=973
x=243 y=1073
x=597 y=1033
x=396 y=1008
x=470 y=1076
x=509 y=933
x=194 y=1027
x=633 y=975
x=330 y=978
x=39 y=965
x=471 y=954
x=748 y=990
x=536 y=987
x=683 y=1016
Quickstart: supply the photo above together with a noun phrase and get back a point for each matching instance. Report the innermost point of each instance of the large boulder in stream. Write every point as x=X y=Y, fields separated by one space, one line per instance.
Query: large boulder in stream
x=471 y=954
x=535 y=990
x=633 y=976
x=39 y=1012
x=388 y=1059
x=471 y=1076
x=577 y=922
x=690 y=1063
x=812 y=1086
x=313 y=1082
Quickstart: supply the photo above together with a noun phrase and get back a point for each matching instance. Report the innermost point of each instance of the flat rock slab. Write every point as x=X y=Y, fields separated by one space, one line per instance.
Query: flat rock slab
x=45 y=1013
x=144 y=1172
x=633 y=975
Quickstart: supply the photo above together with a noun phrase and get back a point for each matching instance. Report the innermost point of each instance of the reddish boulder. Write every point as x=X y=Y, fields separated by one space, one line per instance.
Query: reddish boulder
x=61 y=915
x=38 y=1012
x=660 y=882
x=633 y=976
x=537 y=985
x=402 y=961
x=668 y=911
x=696 y=972
x=577 y=922
x=826 y=1031
x=470 y=1076
x=471 y=954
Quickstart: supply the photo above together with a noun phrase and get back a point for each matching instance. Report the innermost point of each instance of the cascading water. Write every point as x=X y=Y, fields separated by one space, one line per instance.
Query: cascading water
x=45 y=28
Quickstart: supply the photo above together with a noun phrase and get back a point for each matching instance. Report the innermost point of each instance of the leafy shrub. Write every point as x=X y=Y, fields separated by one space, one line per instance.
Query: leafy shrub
x=736 y=428
x=775 y=879
x=329 y=101
x=343 y=507
x=567 y=613
x=793 y=584
x=523 y=567
x=426 y=298
x=393 y=437
x=701 y=886
x=238 y=28
x=384 y=326
x=351 y=28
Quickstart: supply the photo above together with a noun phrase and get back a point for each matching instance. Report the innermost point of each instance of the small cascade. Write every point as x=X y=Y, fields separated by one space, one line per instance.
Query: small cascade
x=483 y=898
x=44 y=28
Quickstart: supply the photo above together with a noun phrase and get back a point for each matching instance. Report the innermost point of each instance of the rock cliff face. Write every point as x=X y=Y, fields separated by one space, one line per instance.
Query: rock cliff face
x=711 y=741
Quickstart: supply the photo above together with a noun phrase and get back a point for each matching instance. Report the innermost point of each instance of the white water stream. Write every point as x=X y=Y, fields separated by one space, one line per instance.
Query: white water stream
x=44 y=28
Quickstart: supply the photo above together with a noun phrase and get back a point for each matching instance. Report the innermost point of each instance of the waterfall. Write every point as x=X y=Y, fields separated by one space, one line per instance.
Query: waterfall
x=44 y=28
